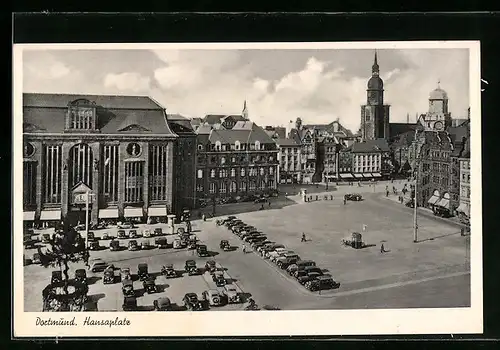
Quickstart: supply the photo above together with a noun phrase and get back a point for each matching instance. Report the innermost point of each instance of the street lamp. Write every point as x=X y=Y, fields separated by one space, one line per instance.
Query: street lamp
x=415 y=202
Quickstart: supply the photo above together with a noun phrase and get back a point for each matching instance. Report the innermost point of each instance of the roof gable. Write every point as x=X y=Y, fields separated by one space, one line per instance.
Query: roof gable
x=134 y=128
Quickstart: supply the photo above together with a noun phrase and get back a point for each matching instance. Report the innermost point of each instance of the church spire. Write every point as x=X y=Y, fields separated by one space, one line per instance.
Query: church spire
x=375 y=68
x=244 y=113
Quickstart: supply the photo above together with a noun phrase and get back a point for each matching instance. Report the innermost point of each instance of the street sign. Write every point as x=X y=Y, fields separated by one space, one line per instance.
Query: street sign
x=81 y=198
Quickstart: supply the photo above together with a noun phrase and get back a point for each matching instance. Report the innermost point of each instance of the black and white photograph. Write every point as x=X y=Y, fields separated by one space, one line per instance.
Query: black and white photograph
x=247 y=189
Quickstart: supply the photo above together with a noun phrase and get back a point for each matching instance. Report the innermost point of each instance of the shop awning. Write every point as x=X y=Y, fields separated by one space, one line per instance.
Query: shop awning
x=464 y=208
x=108 y=213
x=445 y=203
x=433 y=200
x=157 y=211
x=28 y=216
x=358 y=176
x=133 y=213
x=377 y=174
x=346 y=176
x=50 y=215
x=367 y=175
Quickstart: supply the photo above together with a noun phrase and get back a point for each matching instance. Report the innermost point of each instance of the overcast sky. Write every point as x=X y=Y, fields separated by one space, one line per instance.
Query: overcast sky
x=279 y=85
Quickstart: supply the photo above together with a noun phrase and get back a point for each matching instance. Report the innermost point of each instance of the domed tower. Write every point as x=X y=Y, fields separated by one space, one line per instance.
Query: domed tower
x=374 y=114
x=438 y=117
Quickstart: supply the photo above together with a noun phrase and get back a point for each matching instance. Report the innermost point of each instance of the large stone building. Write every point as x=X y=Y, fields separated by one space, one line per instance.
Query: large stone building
x=122 y=150
x=371 y=160
x=375 y=114
x=236 y=163
x=459 y=136
x=463 y=209
x=289 y=160
x=308 y=158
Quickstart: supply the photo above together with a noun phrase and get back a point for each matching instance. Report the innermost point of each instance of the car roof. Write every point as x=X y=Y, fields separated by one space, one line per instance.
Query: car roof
x=142 y=265
x=191 y=295
x=230 y=286
x=163 y=300
x=99 y=263
x=325 y=277
x=190 y=261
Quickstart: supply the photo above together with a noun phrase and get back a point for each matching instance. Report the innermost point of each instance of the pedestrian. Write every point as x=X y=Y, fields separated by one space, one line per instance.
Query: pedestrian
x=303 y=239
x=345 y=201
x=387 y=193
x=382 y=249
x=204 y=217
x=244 y=249
x=269 y=204
x=331 y=197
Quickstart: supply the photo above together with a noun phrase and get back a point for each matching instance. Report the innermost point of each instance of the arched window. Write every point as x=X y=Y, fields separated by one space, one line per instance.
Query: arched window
x=243 y=186
x=242 y=172
x=257 y=145
x=218 y=146
x=212 y=187
x=252 y=186
x=200 y=147
x=222 y=187
x=233 y=172
x=262 y=171
x=262 y=185
x=271 y=184
x=237 y=145
x=212 y=173
x=271 y=170
x=80 y=165
x=223 y=160
x=200 y=174
x=233 y=187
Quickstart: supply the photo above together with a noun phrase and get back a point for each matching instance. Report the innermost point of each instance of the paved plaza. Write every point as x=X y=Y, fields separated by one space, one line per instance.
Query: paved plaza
x=431 y=273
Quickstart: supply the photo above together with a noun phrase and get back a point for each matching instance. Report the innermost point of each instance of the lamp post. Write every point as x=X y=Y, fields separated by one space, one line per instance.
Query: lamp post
x=415 y=202
x=88 y=197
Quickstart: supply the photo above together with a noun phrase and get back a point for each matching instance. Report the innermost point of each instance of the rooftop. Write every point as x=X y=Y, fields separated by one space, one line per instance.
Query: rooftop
x=378 y=145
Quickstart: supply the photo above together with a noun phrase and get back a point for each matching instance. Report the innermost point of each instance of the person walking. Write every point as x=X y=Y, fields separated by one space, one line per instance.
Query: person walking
x=382 y=249
x=345 y=200
x=303 y=239
x=243 y=249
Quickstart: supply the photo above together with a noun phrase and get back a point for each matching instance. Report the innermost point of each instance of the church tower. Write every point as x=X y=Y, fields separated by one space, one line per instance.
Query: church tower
x=438 y=118
x=244 y=112
x=375 y=114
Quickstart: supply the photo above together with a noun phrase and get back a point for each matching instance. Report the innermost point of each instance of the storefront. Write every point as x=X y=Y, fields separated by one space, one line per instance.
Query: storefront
x=133 y=214
x=463 y=212
x=157 y=214
x=435 y=198
x=346 y=177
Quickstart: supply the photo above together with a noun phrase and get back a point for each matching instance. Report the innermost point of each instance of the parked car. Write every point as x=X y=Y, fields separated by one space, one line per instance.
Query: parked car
x=81 y=276
x=91 y=237
x=114 y=245
x=132 y=234
x=106 y=236
x=149 y=285
x=219 y=279
x=161 y=242
x=127 y=224
x=146 y=233
x=94 y=245
x=56 y=277
x=224 y=245
x=168 y=271
x=36 y=258
x=307 y=277
x=213 y=297
x=142 y=271
x=231 y=294
x=177 y=244
x=98 y=265
x=260 y=200
x=109 y=276
x=310 y=269
x=299 y=265
x=286 y=260
x=128 y=288
x=158 y=231
x=125 y=273
x=129 y=303
x=256 y=238
x=191 y=268
x=191 y=244
x=202 y=250
x=45 y=238
x=210 y=266
x=192 y=303
x=121 y=234
x=356 y=197
x=162 y=304
x=133 y=245
x=322 y=282
x=146 y=245
x=258 y=244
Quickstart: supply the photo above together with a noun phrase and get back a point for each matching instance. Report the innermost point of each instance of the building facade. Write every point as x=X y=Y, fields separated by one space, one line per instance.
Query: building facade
x=328 y=154
x=375 y=114
x=289 y=156
x=463 y=209
x=236 y=163
x=371 y=160
x=120 y=150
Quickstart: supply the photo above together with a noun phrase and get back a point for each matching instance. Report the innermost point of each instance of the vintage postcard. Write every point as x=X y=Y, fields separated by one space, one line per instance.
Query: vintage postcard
x=247 y=189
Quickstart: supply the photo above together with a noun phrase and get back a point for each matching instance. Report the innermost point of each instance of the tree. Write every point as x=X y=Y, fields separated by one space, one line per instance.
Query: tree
x=65 y=246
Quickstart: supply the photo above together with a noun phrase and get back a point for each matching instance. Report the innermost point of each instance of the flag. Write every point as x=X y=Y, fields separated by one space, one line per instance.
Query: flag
x=106 y=162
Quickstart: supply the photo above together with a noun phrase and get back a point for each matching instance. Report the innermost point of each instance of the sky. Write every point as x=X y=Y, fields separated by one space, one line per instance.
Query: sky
x=318 y=86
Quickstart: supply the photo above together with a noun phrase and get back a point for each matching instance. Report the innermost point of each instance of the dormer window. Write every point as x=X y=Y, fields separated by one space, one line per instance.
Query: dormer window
x=237 y=145
x=217 y=145
x=257 y=145
x=81 y=115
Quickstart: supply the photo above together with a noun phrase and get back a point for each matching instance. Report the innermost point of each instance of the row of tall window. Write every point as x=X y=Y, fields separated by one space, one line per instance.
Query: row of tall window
x=223 y=173
x=233 y=187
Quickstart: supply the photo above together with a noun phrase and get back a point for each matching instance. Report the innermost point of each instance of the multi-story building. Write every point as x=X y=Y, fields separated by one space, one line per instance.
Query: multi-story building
x=235 y=163
x=371 y=159
x=458 y=137
x=120 y=150
x=345 y=161
x=328 y=154
x=289 y=156
x=308 y=158
x=375 y=114
x=463 y=209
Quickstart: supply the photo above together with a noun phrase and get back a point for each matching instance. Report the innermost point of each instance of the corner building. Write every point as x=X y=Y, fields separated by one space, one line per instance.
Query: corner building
x=119 y=149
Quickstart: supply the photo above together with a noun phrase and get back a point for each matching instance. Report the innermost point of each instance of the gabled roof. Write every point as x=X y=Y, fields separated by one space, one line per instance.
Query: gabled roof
x=204 y=129
x=219 y=118
x=176 y=117
x=368 y=146
x=181 y=126
x=396 y=129
x=46 y=113
x=247 y=132
x=437 y=139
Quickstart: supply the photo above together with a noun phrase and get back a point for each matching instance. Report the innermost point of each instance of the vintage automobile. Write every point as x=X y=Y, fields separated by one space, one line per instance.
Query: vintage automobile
x=146 y=233
x=202 y=251
x=219 y=279
x=121 y=234
x=260 y=200
x=125 y=274
x=210 y=266
x=213 y=297
x=299 y=265
x=265 y=252
x=132 y=234
x=259 y=244
x=128 y=288
x=177 y=244
x=161 y=243
x=277 y=253
x=45 y=238
x=149 y=285
x=322 y=282
x=36 y=258
x=109 y=276
x=146 y=245
x=94 y=245
x=129 y=303
x=91 y=237
x=114 y=245
x=162 y=304
x=356 y=197
x=286 y=260
x=191 y=244
x=56 y=277
x=158 y=231
x=224 y=245
x=307 y=277
x=231 y=294
x=127 y=224
x=142 y=272
x=106 y=236
x=133 y=245
x=442 y=212
x=168 y=271
x=256 y=238
x=81 y=276
x=98 y=265
x=191 y=268
x=192 y=303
